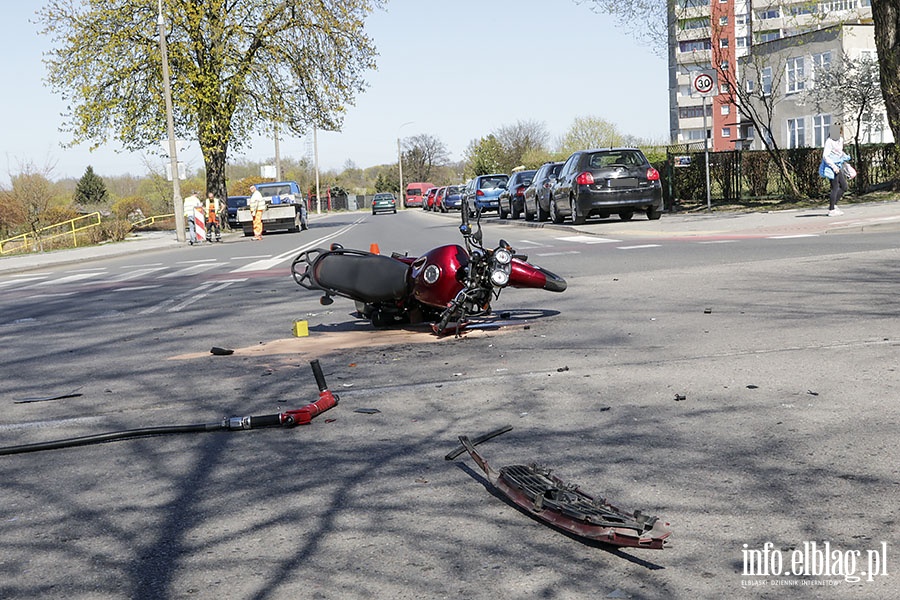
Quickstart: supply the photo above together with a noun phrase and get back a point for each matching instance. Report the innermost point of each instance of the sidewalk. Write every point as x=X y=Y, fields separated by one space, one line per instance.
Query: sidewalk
x=875 y=216
x=141 y=242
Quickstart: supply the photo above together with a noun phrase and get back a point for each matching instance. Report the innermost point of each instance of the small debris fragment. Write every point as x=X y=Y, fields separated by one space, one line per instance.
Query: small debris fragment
x=367 y=411
x=604 y=408
x=504 y=315
x=707 y=311
x=562 y=369
x=812 y=393
x=752 y=387
x=219 y=351
x=680 y=397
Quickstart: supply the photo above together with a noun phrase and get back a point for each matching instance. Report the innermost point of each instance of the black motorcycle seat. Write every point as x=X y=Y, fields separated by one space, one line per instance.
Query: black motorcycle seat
x=362 y=276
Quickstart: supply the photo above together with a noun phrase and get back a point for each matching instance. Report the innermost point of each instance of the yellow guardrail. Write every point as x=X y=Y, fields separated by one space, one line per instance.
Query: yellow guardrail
x=151 y=220
x=25 y=241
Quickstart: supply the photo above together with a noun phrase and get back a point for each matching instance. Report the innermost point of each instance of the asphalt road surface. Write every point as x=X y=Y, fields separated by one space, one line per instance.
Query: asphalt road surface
x=743 y=390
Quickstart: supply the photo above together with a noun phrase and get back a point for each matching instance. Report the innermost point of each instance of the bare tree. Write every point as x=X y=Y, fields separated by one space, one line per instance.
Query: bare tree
x=755 y=93
x=421 y=154
x=519 y=141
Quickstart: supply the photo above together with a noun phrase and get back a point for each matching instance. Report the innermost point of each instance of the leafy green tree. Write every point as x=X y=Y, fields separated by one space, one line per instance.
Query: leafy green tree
x=590 y=132
x=484 y=156
x=237 y=68
x=90 y=190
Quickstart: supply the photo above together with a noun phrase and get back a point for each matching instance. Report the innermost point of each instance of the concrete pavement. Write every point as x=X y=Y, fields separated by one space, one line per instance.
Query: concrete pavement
x=812 y=221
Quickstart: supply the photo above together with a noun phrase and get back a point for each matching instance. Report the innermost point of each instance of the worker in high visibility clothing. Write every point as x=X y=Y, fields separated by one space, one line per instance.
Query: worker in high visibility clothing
x=191 y=204
x=257 y=204
x=212 y=218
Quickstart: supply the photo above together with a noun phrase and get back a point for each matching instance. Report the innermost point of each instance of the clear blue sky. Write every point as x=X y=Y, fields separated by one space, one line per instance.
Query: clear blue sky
x=458 y=70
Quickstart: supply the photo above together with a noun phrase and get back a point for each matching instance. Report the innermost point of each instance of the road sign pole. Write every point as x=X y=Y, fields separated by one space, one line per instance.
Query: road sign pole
x=706 y=137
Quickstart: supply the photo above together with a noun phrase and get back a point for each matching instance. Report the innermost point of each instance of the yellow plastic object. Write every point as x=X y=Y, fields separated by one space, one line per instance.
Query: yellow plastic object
x=301 y=329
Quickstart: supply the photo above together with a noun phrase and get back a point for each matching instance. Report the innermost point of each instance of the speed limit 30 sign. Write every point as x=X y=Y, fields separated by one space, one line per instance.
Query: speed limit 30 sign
x=704 y=84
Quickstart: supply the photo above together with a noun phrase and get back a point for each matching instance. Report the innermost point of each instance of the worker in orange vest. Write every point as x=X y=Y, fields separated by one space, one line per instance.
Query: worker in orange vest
x=212 y=217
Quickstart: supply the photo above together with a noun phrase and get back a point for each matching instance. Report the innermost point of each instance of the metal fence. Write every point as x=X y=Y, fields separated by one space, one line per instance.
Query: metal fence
x=745 y=175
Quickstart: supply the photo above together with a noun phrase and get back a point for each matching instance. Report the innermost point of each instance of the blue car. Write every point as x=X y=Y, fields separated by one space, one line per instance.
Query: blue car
x=483 y=193
x=452 y=198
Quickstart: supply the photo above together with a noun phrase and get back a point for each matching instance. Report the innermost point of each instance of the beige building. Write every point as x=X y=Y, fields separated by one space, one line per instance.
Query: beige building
x=784 y=70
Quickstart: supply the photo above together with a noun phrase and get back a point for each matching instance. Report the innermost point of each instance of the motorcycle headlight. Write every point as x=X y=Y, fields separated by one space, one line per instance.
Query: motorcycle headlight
x=431 y=274
x=500 y=277
x=502 y=256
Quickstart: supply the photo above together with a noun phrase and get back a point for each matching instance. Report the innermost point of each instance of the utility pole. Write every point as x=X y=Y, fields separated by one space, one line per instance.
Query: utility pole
x=177 y=202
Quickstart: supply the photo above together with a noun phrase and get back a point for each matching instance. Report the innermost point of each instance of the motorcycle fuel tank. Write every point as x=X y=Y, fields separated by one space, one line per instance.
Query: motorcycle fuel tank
x=438 y=275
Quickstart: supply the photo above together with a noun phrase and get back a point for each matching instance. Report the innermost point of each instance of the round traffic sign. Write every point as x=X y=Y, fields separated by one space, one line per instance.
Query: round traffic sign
x=703 y=83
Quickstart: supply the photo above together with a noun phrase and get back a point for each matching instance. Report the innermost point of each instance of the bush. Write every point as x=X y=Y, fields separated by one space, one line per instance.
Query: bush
x=133 y=208
x=755 y=167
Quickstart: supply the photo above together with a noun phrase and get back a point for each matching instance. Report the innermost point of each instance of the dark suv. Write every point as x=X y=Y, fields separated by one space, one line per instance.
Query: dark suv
x=537 y=195
x=604 y=182
x=512 y=198
x=482 y=192
x=232 y=204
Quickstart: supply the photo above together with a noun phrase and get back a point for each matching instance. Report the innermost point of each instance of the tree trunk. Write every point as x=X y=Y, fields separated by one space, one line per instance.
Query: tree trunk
x=215 y=173
x=886 y=14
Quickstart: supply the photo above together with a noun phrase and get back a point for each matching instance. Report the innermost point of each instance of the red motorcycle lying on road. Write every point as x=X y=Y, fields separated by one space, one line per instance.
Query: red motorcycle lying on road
x=444 y=286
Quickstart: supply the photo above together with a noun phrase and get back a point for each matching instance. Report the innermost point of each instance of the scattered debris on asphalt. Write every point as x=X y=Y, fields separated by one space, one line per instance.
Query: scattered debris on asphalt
x=367 y=411
x=543 y=496
x=478 y=440
x=680 y=397
x=73 y=394
x=219 y=351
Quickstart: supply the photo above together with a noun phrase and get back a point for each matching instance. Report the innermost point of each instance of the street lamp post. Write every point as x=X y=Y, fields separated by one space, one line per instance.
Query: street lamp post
x=170 y=124
x=400 y=161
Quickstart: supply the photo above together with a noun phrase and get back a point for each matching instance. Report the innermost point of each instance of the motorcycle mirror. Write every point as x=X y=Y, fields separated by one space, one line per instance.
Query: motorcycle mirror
x=465 y=230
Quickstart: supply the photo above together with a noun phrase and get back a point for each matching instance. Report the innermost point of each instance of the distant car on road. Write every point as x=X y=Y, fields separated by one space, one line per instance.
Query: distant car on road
x=384 y=202
x=482 y=192
x=603 y=182
x=512 y=199
x=232 y=204
x=537 y=195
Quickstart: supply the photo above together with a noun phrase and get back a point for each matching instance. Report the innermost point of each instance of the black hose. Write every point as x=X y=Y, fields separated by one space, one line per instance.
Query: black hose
x=109 y=437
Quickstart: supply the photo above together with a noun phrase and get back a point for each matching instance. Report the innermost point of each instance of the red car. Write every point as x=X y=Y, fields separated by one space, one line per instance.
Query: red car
x=428 y=198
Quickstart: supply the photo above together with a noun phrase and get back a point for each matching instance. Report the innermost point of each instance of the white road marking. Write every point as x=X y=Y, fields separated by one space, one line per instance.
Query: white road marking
x=792 y=237
x=197 y=297
x=558 y=253
x=192 y=270
x=70 y=278
x=638 y=247
x=587 y=239
x=268 y=263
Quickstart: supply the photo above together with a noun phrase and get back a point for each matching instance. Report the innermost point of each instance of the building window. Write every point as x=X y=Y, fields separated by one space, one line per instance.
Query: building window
x=694 y=45
x=723 y=42
x=725 y=109
x=821 y=127
x=768 y=36
x=692 y=112
x=740 y=19
x=723 y=21
x=773 y=12
x=796 y=133
x=726 y=132
x=692 y=3
x=796 y=79
x=699 y=23
x=766 y=80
